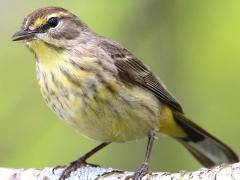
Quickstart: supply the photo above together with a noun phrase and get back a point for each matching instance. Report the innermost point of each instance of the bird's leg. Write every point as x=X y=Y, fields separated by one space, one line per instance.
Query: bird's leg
x=79 y=162
x=143 y=170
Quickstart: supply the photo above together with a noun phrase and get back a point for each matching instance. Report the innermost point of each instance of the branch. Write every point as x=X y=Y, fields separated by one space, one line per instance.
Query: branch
x=229 y=172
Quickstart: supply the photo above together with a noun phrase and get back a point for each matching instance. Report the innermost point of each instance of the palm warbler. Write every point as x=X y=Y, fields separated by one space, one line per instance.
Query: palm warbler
x=101 y=89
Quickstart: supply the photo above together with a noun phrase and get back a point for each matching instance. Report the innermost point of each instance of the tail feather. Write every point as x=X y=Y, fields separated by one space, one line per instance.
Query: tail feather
x=208 y=150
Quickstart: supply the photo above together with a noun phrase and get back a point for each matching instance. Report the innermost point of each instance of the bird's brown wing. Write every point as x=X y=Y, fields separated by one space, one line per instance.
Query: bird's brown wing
x=133 y=71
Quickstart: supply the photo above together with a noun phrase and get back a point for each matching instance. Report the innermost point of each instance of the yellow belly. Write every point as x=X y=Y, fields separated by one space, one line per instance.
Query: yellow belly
x=123 y=114
x=118 y=117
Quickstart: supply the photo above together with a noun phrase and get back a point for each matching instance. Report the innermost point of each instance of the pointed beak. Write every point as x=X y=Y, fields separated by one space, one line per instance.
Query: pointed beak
x=23 y=35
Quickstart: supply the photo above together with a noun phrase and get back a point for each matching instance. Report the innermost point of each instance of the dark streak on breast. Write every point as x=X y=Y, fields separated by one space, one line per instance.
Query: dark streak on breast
x=70 y=77
x=45 y=81
x=76 y=65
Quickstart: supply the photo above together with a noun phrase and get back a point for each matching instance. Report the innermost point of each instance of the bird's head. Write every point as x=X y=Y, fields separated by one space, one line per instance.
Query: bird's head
x=53 y=26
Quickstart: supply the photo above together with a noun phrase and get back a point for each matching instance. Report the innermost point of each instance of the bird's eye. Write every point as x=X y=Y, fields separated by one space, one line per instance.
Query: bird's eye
x=53 y=22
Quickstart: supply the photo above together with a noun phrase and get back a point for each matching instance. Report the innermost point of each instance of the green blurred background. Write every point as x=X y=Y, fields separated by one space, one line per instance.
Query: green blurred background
x=192 y=45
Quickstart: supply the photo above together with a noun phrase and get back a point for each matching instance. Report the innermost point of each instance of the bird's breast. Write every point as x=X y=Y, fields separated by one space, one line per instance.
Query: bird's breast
x=98 y=104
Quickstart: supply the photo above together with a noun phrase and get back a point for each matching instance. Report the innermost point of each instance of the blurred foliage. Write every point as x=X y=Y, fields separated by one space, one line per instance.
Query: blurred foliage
x=192 y=45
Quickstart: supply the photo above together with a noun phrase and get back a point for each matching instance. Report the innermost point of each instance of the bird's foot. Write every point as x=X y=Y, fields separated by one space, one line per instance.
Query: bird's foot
x=71 y=167
x=140 y=173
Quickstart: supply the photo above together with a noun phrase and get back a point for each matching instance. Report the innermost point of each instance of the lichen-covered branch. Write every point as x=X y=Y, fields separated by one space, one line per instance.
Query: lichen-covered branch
x=223 y=172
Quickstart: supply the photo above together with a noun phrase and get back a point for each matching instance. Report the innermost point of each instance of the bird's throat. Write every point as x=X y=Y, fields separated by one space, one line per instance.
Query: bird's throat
x=46 y=55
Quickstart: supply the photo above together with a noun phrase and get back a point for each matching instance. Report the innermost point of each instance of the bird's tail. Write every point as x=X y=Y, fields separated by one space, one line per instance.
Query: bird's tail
x=208 y=150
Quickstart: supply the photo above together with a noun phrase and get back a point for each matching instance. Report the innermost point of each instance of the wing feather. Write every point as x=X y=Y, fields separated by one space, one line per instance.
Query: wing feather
x=133 y=71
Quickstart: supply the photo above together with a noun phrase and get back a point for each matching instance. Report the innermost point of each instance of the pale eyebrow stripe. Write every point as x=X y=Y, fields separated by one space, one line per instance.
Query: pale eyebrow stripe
x=58 y=14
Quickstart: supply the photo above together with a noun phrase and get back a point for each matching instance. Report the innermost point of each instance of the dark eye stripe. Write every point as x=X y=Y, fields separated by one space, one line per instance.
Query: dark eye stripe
x=43 y=28
x=50 y=23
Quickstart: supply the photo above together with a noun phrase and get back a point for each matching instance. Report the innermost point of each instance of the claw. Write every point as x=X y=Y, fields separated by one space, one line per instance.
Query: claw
x=140 y=173
x=68 y=169
x=93 y=165
x=73 y=166
x=58 y=167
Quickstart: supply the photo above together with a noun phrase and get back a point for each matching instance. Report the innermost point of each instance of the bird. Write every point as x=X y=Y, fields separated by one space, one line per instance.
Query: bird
x=105 y=92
